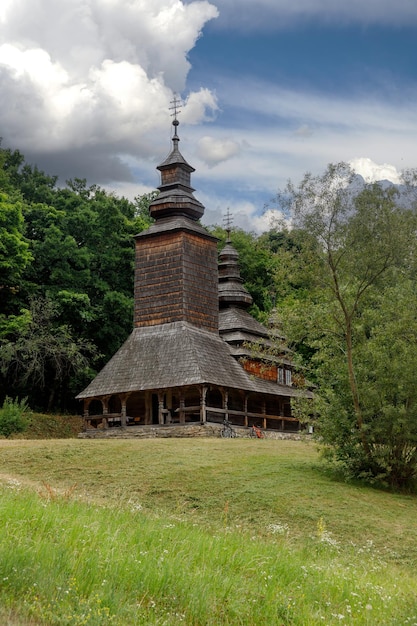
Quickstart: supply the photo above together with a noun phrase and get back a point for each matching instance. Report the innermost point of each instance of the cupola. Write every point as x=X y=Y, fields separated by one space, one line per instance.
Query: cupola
x=231 y=288
x=175 y=192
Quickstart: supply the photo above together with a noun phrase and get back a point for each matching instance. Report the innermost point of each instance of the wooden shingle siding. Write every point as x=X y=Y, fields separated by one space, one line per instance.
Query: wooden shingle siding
x=176 y=280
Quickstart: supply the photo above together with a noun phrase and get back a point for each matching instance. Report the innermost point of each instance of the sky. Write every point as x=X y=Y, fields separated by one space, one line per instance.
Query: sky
x=271 y=90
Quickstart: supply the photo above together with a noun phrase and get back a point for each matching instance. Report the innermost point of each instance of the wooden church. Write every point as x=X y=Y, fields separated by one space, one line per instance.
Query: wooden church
x=189 y=356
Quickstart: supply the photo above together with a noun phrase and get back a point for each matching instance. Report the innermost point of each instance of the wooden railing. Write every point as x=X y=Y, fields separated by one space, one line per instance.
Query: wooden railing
x=213 y=414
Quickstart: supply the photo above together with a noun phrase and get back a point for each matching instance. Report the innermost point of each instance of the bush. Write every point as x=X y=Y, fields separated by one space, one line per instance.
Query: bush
x=13 y=416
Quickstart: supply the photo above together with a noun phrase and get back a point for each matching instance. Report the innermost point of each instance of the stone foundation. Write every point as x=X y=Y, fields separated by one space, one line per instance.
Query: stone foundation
x=180 y=431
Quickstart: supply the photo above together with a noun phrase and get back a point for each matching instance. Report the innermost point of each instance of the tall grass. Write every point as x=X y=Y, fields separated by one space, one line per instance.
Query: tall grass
x=228 y=555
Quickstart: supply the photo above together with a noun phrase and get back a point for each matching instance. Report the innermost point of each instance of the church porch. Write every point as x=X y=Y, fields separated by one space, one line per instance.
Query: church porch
x=194 y=404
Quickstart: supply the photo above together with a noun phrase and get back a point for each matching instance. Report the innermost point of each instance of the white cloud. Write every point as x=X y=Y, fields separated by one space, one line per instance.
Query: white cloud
x=309 y=109
x=4 y=9
x=98 y=74
x=372 y=172
x=275 y=143
x=86 y=85
x=266 y=14
x=245 y=214
x=342 y=128
x=213 y=151
x=200 y=106
x=128 y=190
x=303 y=131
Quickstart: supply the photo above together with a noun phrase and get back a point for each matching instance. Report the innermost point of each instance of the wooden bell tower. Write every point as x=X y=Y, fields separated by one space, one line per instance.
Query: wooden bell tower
x=176 y=272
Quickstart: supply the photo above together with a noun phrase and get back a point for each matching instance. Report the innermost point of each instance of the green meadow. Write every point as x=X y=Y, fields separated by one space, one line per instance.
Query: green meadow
x=198 y=532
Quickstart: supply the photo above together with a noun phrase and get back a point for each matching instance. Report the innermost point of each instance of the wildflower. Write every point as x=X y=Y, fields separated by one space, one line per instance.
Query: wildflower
x=279 y=529
x=327 y=538
x=321 y=527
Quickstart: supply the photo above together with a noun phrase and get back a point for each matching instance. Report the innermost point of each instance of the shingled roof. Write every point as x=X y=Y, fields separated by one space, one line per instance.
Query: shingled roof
x=236 y=318
x=175 y=355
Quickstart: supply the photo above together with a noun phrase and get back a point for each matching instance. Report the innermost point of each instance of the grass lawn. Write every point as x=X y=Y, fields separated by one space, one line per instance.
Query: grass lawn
x=199 y=532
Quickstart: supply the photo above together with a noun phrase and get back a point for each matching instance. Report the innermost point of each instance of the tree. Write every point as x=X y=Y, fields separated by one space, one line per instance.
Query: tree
x=360 y=242
x=45 y=355
x=15 y=255
x=387 y=363
x=74 y=248
x=83 y=247
x=14 y=248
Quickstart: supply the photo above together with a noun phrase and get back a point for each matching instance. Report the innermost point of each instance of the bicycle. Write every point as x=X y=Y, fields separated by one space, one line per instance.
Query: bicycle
x=227 y=431
x=256 y=432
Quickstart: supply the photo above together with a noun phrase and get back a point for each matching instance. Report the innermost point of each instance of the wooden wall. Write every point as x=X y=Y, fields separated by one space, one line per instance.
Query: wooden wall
x=176 y=279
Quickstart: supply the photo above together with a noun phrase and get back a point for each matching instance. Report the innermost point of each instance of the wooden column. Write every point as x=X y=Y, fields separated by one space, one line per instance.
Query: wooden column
x=160 y=408
x=105 y=405
x=264 y=413
x=182 y=408
x=168 y=410
x=245 y=408
x=86 y=413
x=148 y=407
x=203 y=410
x=123 y=423
x=226 y=405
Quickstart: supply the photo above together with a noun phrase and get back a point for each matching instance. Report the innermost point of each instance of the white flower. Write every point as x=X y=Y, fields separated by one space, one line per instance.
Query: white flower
x=279 y=529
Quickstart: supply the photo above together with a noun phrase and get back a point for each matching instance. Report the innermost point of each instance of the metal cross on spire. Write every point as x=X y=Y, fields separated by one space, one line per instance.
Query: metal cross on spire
x=228 y=222
x=176 y=103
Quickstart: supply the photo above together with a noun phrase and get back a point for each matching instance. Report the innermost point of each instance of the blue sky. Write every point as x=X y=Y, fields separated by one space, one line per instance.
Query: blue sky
x=271 y=90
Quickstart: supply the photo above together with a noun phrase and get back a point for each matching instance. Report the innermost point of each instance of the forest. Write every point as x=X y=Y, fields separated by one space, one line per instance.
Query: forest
x=338 y=276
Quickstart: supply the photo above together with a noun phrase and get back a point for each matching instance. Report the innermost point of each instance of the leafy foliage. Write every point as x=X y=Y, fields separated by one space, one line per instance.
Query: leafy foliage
x=45 y=355
x=13 y=416
x=359 y=250
x=73 y=249
x=14 y=248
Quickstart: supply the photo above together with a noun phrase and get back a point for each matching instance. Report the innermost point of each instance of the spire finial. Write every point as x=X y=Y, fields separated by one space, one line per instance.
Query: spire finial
x=228 y=222
x=176 y=103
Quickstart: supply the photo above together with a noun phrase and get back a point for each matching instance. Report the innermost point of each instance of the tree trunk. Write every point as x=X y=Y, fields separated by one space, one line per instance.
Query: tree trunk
x=354 y=387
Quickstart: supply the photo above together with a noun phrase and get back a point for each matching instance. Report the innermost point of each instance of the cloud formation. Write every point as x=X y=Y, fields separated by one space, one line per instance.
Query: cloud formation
x=95 y=75
x=290 y=131
x=86 y=86
x=268 y=14
x=214 y=151
x=372 y=172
